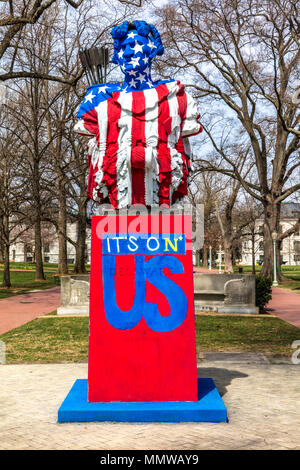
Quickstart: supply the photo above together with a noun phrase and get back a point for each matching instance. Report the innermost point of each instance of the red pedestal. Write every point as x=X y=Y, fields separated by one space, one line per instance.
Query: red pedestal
x=142 y=330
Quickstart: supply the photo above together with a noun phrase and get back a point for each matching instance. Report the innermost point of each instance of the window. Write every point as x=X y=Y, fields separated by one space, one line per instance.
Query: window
x=297 y=247
x=46 y=247
x=261 y=246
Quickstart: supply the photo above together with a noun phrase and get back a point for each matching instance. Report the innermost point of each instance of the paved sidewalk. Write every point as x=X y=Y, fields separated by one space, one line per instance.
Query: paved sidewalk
x=20 y=309
x=262 y=401
x=285 y=305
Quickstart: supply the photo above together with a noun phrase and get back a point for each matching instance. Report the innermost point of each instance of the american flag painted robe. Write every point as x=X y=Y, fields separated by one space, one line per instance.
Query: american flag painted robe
x=139 y=153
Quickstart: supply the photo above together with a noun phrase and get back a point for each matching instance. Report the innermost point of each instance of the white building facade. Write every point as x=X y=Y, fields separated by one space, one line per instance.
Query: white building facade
x=289 y=246
x=23 y=249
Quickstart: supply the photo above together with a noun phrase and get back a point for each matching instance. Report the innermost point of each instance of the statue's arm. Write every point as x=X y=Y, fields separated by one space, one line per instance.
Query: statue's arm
x=80 y=129
x=87 y=124
x=191 y=124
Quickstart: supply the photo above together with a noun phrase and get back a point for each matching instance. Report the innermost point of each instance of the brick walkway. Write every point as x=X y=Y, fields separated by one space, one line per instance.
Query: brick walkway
x=285 y=305
x=262 y=401
x=197 y=269
x=20 y=309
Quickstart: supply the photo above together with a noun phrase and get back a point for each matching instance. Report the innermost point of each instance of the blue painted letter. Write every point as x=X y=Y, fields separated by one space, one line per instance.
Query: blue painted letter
x=174 y=294
x=116 y=317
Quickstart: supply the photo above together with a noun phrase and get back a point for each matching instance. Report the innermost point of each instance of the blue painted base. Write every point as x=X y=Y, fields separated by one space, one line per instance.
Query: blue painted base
x=209 y=407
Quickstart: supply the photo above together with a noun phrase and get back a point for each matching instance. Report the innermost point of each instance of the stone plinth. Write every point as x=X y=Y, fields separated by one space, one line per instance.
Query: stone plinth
x=232 y=293
x=75 y=294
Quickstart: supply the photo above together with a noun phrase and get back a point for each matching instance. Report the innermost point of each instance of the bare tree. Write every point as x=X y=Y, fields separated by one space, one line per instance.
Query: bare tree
x=29 y=109
x=67 y=151
x=204 y=189
x=15 y=18
x=241 y=58
x=11 y=189
x=251 y=210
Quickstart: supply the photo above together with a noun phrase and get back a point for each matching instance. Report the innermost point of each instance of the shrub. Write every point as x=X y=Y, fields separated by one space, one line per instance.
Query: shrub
x=56 y=280
x=263 y=291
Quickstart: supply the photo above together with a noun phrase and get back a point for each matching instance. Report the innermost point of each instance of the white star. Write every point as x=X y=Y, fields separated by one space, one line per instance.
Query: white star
x=135 y=61
x=131 y=35
x=149 y=84
x=89 y=97
x=132 y=83
x=102 y=89
x=132 y=72
x=137 y=48
x=120 y=54
x=141 y=77
x=146 y=60
x=151 y=45
x=147 y=71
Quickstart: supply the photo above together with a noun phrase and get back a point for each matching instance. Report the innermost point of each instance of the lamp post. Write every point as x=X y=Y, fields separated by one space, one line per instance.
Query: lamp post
x=220 y=259
x=274 y=238
x=210 y=258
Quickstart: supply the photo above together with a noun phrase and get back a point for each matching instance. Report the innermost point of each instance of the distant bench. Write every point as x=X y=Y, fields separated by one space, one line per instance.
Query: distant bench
x=226 y=293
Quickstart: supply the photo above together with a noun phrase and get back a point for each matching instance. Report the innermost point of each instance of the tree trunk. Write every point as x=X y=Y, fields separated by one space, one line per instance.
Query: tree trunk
x=79 y=267
x=228 y=241
x=6 y=272
x=271 y=224
x=205 y=256
x=234 y=256
x=253 y=251
x=228 y=267
x=62 y=241
x=226 y=230
x=39 y=270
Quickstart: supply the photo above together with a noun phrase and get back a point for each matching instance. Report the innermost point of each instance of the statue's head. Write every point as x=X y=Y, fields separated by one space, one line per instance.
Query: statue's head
x=135 y=45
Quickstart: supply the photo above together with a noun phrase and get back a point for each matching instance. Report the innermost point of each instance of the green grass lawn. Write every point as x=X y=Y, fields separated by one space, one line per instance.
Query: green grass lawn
x=22 y=278
x=23 y=281
x=291 y=282
x=47 y=340
x=31 y=266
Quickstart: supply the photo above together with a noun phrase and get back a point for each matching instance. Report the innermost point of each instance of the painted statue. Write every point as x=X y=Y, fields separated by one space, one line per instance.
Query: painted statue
x=139 y=151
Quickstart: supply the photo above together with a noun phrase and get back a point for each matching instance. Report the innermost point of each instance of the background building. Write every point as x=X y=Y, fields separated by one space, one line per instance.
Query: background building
x=23 y=249
x=289 y=247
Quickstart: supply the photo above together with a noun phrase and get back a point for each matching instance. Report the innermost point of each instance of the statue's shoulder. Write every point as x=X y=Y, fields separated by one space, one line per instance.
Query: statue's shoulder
x=172 y=87
x=164 y=82
x=96 y=94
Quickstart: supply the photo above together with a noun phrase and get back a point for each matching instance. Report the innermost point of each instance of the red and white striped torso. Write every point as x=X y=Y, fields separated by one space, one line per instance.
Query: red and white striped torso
x=140 y=152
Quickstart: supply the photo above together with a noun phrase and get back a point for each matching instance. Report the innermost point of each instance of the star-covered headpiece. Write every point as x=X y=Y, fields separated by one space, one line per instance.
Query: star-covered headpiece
x=143 y=29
